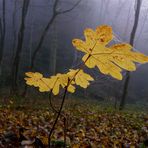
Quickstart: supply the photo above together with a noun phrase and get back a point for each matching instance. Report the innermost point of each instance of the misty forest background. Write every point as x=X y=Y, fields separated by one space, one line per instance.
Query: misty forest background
x=36 y=35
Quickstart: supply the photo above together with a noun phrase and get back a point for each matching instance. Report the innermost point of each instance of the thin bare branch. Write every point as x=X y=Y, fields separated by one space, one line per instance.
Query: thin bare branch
x=68 y=10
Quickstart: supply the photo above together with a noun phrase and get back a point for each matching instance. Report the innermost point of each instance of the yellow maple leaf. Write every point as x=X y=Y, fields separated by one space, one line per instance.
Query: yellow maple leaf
x=54 y=83
x=46 y=84
x=36 y=79
x=61 y=80
x=109 y=59
x=80 y=78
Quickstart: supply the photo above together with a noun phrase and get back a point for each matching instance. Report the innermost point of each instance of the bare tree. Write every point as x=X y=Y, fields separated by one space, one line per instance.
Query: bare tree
x=19 y=48
x=54 y=16
x=132 y=37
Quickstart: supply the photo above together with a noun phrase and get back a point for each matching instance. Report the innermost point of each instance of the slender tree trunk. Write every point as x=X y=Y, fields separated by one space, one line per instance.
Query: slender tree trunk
x=132 y=37
x=3 y=32
x=14 y=30
x=14 y=39
x=17 y=57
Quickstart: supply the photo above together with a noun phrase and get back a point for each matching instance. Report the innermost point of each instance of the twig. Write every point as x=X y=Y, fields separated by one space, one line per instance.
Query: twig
x=59 y=113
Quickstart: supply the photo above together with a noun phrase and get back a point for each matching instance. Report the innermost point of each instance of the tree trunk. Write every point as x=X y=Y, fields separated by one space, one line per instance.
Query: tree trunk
x=17 y=57
x=55 y=14
x=3 y=32
x=14 y=30
x=132 y=37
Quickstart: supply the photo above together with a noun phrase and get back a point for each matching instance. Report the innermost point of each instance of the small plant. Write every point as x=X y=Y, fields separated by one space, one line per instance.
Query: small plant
x=110 y=60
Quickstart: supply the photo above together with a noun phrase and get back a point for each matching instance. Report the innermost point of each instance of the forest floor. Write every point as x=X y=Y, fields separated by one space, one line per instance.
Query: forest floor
x=88 y=125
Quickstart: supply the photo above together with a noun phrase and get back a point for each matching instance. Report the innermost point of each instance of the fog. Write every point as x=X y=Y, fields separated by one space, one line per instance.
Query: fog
x=57 y=41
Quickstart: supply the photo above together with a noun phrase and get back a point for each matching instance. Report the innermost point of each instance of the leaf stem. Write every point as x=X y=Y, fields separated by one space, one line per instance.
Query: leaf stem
x=50 y=101
x=58 y=115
